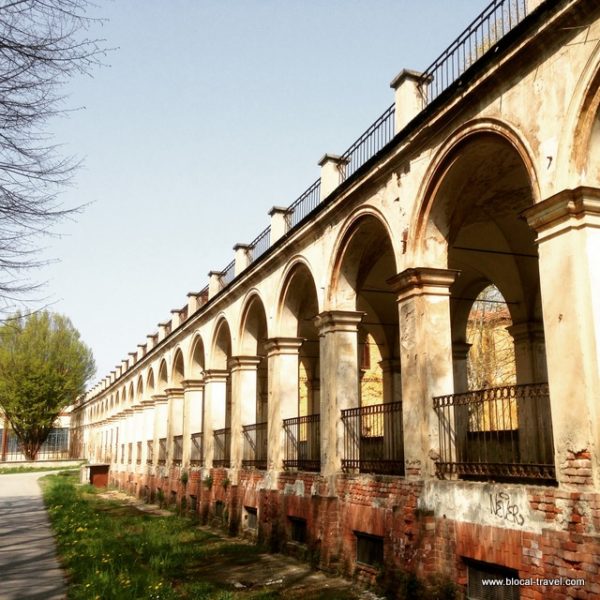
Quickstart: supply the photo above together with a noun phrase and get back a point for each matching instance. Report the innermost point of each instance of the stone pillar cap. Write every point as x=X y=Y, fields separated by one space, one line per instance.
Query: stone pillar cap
x=336 y=158
x=406 y=74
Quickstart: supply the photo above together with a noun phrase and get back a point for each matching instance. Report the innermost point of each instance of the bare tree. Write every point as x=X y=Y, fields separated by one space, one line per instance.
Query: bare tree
x=43 y=43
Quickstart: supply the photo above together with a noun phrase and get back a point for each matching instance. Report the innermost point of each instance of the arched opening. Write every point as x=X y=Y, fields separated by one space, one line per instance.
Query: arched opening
x=196 y=403
x=253 y=384
x=162 y=412
x=176 y=409
x=475 y=219
x=220 y=392
x=366 y=262
x=197 y=360
x=299 y=307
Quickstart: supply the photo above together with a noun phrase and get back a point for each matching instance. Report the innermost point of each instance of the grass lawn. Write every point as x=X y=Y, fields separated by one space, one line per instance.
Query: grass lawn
x=11 y=470
x=112 y=551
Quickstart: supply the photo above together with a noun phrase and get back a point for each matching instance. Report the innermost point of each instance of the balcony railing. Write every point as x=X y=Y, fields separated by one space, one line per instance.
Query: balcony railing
x=129 y=453
x=502 y=433
x=260 y=244
x=496 y=20
x=373 y=441
x=197 y=450
x=162 y=451
x=150 y=453
x=303 y=443
x=255 y=445
x=304 y=204
x=228 y=273
x=177 y=449
x=222 y=450
x=138 y=453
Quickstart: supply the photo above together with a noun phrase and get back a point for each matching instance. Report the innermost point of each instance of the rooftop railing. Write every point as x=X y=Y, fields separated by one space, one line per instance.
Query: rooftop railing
x=228 y=274
x=306 y=202
x=260 y=244
x=496 y=20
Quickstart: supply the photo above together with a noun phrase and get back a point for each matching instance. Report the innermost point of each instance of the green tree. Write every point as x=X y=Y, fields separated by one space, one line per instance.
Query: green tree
x=44 y=367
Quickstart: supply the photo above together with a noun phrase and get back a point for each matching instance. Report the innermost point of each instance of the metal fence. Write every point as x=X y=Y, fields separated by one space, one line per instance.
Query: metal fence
x=162 y=451
x=150 y=452
x=303 y=443
x=499 y=433
x=496 y=20
x=304 y=204
x=56 y=446
x=228 y=274
x=138 y=455
x=222 y=450
x=373 y=439
x=197 y=450
x=255 y=445
x=177 y=449
x=260 y=244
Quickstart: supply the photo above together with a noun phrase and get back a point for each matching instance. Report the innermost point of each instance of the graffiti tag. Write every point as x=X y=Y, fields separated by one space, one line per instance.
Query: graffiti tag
x=502 y=507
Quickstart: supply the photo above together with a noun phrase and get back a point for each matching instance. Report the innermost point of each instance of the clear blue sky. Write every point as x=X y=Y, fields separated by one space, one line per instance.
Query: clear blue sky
x=207 y=114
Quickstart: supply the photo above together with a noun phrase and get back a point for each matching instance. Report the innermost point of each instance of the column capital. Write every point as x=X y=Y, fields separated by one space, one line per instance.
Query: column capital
x=423 y=281
x=212 y=375
x=159 y=399
x=148 y=403
x=283 y=345
x=460 y=350
x=193 y=384
x=174 y=392
x=569 y=209
x=338 y=320
x=243 y=363
x=528 y=331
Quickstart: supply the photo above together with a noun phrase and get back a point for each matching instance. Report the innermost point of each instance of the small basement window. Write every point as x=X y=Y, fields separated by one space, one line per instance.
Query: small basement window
x=369 y=549
x=487 y=581
x=298 y=530
x=251 y=517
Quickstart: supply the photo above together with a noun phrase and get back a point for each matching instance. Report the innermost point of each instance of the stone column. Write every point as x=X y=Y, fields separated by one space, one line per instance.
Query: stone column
x=243 y=371
x=530 y=352
x=160 y=425
x=147 y=431
x=174 y=420
x=138 y=420
x=568 y=237
x=283 y=395
x=339 y=369
x=215 y=403
x=426 y=359
x=460 y=353
x=193 y=409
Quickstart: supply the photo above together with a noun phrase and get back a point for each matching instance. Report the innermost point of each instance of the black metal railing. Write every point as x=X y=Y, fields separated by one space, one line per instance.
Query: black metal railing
x=260 y=244
x=373 y=440
x=162 y=451
x=122 y=454
x=496 y=20
x=129 y=453
x=138 y=453
x=228 y=274
x=177 y=449
x=502 y=433
x=378 y=135
x=303 y=443
x=304 y=204
x=222 y=449
x=197 y=450
x=150 y=452
x=255 y=445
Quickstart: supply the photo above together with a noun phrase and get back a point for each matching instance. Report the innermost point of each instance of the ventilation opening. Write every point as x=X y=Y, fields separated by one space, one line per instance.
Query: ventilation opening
x=369 y=549
x=251 y=517
x=491 y=582
x=219 y=508
x=298 y=530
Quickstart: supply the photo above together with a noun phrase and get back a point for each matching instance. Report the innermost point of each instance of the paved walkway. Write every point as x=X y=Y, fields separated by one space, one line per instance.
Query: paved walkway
x=28 y=564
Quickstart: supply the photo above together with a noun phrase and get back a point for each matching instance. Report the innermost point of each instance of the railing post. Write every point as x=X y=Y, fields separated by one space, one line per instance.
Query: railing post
x=279 y=224
x=410 y=96
x=426 y=359
x=332 y=173
x=242 y=257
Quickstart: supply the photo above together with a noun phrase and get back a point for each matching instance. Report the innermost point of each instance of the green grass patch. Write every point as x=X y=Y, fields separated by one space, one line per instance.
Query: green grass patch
x=113 y=551
x=11 y=470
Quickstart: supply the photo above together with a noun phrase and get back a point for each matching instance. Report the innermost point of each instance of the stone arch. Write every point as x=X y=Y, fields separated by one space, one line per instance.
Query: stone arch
x=130 y=396
x=163 y=377
x=221 y=345
x=140 y=388
x=253 y=323
x=426 y=242
x=579 y=147
x=177 y=369
x=197 y=358
x=150 y=384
